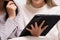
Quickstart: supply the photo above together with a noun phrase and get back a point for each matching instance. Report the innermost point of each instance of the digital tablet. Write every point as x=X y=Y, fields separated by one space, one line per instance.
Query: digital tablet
x=50 y=20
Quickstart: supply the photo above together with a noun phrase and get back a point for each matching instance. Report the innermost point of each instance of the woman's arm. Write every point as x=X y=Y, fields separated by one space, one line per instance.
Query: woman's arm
x=8 y=28
x=10 y=23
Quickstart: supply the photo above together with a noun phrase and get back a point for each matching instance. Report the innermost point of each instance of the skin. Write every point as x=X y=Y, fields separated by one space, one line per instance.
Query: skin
x=36 y=31
x=10 y=8
x=37 y=3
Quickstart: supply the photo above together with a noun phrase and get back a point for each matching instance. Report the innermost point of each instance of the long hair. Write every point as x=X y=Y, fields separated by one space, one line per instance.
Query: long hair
x=5 y=4
x=50 y=3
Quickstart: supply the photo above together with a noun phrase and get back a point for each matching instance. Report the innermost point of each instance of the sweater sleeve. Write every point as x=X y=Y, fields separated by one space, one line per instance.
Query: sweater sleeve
x=58 y=26
x=7 y=29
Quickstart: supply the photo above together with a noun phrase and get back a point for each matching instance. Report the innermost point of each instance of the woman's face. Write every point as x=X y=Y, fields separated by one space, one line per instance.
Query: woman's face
x=37 y=1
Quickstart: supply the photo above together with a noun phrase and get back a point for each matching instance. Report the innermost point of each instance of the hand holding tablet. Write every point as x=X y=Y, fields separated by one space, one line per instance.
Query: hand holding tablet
x=37 y=30
x=50 y=21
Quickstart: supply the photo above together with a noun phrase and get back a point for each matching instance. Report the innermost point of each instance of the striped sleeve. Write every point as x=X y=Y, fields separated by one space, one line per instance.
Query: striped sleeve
x=8 y=28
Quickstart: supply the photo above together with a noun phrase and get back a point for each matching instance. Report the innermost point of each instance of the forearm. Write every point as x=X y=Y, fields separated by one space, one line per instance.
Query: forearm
x=9 y=27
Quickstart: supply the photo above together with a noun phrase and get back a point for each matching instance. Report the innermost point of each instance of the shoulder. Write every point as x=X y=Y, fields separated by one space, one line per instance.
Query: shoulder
x=55 y=9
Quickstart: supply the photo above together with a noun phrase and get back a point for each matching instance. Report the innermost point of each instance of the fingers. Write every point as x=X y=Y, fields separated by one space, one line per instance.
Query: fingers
x=28 y=29
x=42 y=24
x=32 y=27
x=44 y=28
x=11 y=5
x=10 y=2
x=36 y=26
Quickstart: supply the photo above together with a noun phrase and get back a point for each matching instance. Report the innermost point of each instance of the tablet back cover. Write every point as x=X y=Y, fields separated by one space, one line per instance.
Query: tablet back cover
x=50 y=20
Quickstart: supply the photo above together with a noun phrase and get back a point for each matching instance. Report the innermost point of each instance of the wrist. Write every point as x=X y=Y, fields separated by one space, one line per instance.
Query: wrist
x=12 y=15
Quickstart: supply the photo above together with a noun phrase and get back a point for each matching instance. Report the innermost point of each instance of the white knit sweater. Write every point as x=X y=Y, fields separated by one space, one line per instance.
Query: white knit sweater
x=28 y=12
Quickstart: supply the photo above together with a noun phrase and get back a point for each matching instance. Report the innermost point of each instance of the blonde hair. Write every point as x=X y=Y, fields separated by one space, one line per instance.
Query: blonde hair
x=50 y=3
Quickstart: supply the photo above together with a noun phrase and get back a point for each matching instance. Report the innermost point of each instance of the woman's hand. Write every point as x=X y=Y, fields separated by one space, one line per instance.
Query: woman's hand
x=11 y=9
x=36 y=31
